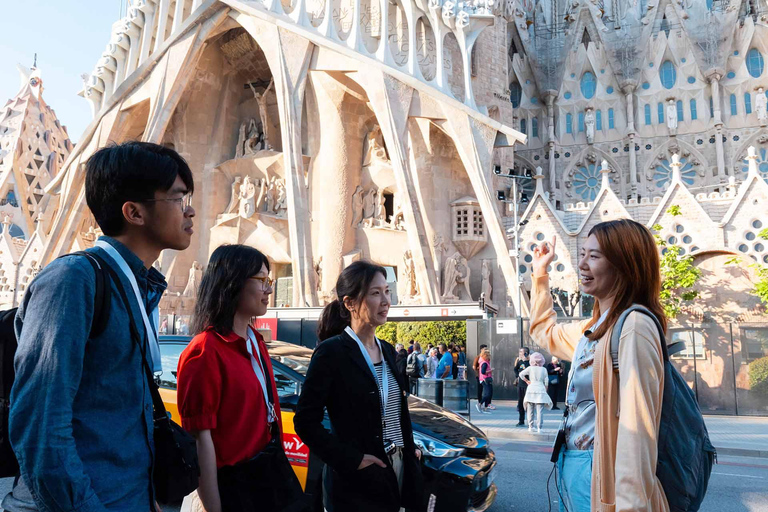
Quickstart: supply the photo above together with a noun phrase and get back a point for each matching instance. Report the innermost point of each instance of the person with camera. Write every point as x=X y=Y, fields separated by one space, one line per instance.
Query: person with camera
x=372 y=463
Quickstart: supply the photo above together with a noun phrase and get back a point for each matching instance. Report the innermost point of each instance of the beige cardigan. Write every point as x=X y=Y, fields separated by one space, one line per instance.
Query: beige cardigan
x=625 y=481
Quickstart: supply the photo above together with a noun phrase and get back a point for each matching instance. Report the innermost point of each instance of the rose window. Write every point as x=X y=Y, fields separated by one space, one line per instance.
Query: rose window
x=586 y=181
x=762 y=163
x=662 y=175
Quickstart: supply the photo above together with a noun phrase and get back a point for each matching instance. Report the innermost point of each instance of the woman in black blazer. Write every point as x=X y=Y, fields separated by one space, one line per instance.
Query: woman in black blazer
x=372 y=463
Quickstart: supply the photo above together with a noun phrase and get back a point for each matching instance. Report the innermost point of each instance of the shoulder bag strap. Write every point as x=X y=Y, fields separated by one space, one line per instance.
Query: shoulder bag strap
x=617 y=328
x=102 y=296
x=157 y=401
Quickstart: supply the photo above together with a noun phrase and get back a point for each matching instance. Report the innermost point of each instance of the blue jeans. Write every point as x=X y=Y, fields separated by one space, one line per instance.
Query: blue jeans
x=574 y=480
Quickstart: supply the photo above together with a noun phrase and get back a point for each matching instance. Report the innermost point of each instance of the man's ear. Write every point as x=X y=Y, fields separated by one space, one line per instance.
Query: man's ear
x=134 y=213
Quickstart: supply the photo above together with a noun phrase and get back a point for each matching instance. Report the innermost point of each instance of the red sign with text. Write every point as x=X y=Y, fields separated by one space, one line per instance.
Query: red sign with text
x=296 y=451
x=268 y=323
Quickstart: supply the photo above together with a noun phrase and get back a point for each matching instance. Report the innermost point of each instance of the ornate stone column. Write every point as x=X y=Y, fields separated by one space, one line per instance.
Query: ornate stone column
x=628 y=88
x=550 y=97
x=714 y=83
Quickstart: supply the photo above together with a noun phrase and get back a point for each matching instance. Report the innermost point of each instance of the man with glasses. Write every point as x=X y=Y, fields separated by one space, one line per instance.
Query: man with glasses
x=81 y=416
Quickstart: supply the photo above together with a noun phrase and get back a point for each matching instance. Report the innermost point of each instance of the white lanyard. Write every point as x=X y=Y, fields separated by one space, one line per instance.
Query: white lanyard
x=384 y=384
x=154 y=348
x=252 y=344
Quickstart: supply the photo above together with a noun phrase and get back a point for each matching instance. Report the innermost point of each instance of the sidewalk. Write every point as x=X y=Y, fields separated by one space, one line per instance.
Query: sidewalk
x=745 y=436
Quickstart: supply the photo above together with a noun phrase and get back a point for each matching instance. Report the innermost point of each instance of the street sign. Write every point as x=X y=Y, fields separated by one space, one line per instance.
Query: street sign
x=506 y=326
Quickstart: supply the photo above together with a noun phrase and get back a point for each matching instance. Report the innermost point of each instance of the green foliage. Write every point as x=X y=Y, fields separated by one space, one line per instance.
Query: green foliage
x=758 y=376
x=678 y=274
x=423 y=332
x=387 y=332
x=761 y=286
x=763 y=234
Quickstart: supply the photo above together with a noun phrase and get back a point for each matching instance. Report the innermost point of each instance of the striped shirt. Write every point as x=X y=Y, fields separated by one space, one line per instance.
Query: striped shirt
x=392 y=430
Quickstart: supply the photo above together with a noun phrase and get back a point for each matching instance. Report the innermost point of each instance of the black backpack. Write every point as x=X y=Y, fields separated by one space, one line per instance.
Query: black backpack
x=685 y=455
x=412 y=365
x=8 y=465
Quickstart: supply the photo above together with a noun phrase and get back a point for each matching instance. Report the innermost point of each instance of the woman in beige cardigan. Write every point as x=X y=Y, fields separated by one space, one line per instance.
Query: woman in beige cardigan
x=608 y=463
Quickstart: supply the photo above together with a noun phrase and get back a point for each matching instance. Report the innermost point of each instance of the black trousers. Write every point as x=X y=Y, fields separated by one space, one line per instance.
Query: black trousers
x=414 y=382
x=520 y=407
x=479 y=390
x=487 y=392
x=552 y=391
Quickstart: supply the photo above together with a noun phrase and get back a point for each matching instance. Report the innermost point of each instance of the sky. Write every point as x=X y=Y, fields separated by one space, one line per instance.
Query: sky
x=68 y=37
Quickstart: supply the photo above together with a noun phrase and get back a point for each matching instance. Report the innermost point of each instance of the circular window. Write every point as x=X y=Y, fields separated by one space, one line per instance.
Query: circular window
x=560 y=267
x=672 y=240
x=567 y=95
x=755 y=63
x=588 y=85
x=556 y=257
x=528 y=258
x=680 y=251
x=743 y=248
x=749 y=236
x=687 y=239
x=679 y=228
x=539 y=236
x=664 y=251
x=668 y=74
x=759 y=247
x=523 y=269
x=757 y=224
x=549 y=268
x=694 y=248
x=532 y=247
x=765 y=258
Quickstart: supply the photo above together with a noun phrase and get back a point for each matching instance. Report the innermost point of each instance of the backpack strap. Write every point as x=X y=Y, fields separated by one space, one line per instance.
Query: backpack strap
x=103 y=295
x=617 y=328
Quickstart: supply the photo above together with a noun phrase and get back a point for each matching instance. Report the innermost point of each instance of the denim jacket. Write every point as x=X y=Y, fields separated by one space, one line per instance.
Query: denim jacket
x=81 y=411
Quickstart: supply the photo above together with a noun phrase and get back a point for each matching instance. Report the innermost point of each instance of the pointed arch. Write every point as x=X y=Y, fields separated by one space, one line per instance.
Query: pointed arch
x=591 y=178
x=657 y=171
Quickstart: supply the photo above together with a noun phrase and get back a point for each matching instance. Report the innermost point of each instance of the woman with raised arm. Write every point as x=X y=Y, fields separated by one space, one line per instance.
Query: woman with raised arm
x=372 y=463
x=619 y=267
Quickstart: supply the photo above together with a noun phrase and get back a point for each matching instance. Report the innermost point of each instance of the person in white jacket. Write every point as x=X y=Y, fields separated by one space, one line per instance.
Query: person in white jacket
x=537 y=378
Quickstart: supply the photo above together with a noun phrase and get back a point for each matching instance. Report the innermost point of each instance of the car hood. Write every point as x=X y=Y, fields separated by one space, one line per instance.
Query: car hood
x=444 y=425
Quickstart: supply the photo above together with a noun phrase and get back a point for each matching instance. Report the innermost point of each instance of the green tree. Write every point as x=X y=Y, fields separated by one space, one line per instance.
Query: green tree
x=761 y=286
x=387 y=332
x=678 y=274
x=423 y=332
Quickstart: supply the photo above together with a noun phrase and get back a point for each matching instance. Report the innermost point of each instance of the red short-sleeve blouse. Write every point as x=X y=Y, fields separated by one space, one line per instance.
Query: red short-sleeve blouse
x=218 y=391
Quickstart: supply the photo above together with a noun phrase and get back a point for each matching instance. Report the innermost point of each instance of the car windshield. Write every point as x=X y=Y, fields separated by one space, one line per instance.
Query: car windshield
x=294 y=357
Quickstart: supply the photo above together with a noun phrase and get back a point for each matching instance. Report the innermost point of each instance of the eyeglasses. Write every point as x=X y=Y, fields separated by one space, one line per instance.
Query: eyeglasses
x=184 y=201
x=266 y=282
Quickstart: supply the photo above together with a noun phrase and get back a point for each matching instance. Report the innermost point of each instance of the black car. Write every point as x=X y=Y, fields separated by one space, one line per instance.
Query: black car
x=458 y=462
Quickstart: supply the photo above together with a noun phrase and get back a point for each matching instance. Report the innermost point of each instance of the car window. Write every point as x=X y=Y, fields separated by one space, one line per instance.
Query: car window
x=286 y=386
x=169 y=355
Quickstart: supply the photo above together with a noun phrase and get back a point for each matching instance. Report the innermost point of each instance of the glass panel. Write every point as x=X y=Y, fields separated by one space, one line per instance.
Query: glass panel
x=668 y=75
x=286 y=386
x=169 y=356
x=588 y=85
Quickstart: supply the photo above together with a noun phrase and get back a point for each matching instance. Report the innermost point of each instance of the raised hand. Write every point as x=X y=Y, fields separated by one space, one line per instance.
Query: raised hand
x=543 y=256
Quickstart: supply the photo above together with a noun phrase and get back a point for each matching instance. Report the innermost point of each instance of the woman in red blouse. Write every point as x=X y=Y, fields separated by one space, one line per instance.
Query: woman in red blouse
x=226 y=389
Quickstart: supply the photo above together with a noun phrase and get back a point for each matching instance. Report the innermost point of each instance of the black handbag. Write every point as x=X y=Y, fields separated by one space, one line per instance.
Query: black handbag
x=265 y=483
x=176 y=468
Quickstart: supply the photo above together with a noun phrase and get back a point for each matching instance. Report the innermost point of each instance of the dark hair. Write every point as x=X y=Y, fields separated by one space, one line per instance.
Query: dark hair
x=228 y=270
x=132 y=171
x=632 y=252
x=353 y=282
x=483 y=346
x=526 y=350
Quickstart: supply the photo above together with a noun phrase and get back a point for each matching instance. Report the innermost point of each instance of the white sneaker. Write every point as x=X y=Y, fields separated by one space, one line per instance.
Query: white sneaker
x=479 y=407
x=538 y=430
x=530 y=428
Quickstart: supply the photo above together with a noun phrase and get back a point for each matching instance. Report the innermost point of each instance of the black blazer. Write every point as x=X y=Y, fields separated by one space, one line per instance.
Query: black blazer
x=339 y=380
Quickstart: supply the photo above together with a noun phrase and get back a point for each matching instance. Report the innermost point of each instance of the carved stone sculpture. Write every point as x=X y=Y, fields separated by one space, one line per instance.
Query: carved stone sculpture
x=247 y=197
x=374 y=148
x=319 y=274
x=409 y=273
x=195 y=275
x=369 y=205
x=486 y=274
x=761 y=104
x=357 y=206
x=280 y=204
x=254 y=139
x=456 y=272
x=381 y=211
x=672 y=117
x=261 y=99
x=234 y=198
x=398 y=219
x=240 y=150
x=589 y=122
x=271 y=198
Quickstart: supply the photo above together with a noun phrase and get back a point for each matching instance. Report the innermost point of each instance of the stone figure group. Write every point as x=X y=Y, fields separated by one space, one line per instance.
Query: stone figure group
x=271 y=197
x=455 y=273
x=410 y=289
x=369 y=210
x=254 y=136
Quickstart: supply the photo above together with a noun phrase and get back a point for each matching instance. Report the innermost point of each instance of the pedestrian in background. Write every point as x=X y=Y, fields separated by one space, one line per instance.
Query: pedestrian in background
x=372 y=463
x=446 y=363
x=536 y=397
x=401 y=360
x=432 y=362
x=556 y=374
x=410 y=347
x=455 y=356
x=227 y=395
x=521 y=363
x=486 y=379
x=462 y=362
x=476 y=369
x=610 y=452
